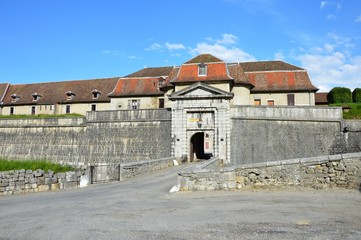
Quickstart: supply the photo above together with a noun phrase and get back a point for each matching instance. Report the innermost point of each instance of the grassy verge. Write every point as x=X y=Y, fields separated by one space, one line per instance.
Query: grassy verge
x=41 y=116
x=353 y=113
x=6 y=165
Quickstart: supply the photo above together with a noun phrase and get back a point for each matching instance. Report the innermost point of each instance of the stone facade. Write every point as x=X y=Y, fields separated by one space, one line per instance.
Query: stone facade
x=201 y=109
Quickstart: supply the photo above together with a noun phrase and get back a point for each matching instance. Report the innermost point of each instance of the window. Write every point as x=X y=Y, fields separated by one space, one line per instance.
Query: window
x=96 y=93
x=67 y=109
x=14 y=97
x=161 y=103
x=36 y=96
x=33 y=109
x=271 y=102
x=257 y=102
x=290 y=99
x=94 y=107
x=11 y=110
x=160 y=82
x=202 y=69
x=70 y=95
x=133 y=104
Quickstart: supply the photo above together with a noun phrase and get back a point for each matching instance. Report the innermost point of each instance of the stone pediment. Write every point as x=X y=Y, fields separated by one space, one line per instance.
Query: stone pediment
x=200 y=91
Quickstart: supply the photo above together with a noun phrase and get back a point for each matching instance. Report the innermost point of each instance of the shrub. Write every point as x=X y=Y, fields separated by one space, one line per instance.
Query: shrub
x=356 y=95
x=339 y=95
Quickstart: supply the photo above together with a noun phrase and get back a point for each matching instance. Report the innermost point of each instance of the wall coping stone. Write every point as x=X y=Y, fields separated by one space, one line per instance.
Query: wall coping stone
x=202 y=168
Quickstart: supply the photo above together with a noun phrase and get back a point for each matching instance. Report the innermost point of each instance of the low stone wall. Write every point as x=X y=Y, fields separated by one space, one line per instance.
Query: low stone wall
x=333 y=171
x=121 y=172
x=134 y=169
x=26 y=181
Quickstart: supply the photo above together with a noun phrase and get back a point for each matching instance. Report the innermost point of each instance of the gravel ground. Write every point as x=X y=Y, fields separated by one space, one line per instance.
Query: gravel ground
x=143 y=208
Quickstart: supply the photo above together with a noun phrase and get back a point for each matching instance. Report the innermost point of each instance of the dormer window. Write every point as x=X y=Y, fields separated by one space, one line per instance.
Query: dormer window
x=160 y=82
x=36 y=96
x=70 y=95
x=96 y=93
x=15 y=97
x=202 y=69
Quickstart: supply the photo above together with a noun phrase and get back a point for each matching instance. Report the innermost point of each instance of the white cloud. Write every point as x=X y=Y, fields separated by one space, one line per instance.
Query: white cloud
x=358 y=19
x=155 y=46
x=332 y=65
x=279 y=56
x=221 y=49
x=111 y=52
x=331 y=4
x=133 y=57
x=227 y=39
x=232 y=54
x=217 y=47
x=323 y=4
x=174 y=46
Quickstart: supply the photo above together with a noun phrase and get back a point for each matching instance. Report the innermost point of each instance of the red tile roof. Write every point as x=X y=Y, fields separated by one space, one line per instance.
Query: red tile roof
x=268 y=66
x=55 y=92
x=147 y=86
x=236 y=72
x=276 y=81
x=215 y=72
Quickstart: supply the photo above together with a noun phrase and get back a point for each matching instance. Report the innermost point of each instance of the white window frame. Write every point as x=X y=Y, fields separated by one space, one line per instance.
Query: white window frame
x=202 y=69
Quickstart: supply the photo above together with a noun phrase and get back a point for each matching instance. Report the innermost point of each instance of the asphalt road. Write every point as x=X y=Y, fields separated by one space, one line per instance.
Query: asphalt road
x=143 y=208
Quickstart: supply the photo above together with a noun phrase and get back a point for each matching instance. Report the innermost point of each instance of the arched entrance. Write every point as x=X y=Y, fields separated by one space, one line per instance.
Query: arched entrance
x=197 y=147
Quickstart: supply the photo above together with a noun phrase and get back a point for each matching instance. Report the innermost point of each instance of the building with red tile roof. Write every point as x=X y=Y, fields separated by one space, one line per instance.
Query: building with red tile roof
x=249 y=83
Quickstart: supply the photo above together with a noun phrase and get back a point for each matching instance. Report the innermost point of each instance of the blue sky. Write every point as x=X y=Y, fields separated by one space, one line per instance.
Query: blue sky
x=55 y=40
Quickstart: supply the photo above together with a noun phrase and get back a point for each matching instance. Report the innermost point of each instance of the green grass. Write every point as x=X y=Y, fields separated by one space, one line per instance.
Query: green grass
x=41 y=116
x=6 y=165
x=353 y=113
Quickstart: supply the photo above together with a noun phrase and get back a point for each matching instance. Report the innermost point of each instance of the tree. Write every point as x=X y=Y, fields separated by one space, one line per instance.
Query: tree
x=356 y=95
x=339 y=95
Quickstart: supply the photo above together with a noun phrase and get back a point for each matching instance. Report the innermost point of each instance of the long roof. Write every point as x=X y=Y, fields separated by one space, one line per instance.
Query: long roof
x=56 y=92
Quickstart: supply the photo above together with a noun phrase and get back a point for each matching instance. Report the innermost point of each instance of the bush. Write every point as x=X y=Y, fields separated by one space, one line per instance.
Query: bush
x=356 y=95
x=339 y=95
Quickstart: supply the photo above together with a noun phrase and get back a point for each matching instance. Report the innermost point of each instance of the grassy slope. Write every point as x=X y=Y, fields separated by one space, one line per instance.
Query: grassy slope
x=6 y=165
x=353 y=113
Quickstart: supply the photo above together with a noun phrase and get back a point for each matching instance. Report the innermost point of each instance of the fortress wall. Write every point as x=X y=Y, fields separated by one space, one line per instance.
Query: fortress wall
x=101 y=137
x=261 y=134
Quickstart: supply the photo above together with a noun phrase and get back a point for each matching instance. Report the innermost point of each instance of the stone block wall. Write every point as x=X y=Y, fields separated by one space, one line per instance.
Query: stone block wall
x=261 y=134
x=27 y=181
x=331 y=171
x=100 y=137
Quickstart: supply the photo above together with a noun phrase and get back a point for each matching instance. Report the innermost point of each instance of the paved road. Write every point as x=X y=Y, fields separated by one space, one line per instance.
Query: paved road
x=142 y=208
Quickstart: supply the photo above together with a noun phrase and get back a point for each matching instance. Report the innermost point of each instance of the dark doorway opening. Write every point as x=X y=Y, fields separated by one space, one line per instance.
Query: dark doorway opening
x=197 y=147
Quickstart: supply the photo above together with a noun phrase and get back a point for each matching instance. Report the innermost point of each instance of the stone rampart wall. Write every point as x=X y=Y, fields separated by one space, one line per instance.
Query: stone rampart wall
x=101 y=137
x=332 y=171
x=45 y=122
x=27 y=181
x=260 y=134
